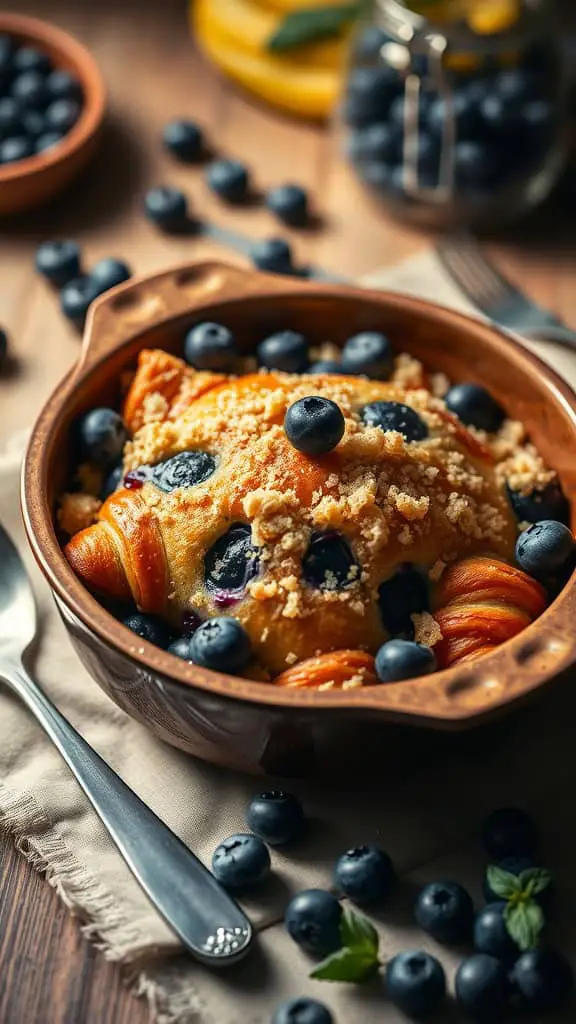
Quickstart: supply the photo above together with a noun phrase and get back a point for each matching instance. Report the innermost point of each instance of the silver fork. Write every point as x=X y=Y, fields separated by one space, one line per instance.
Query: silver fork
x=495 y=296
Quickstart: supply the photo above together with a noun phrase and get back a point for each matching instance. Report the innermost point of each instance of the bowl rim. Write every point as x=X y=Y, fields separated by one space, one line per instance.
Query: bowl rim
x=35 y=30
x=527 y=653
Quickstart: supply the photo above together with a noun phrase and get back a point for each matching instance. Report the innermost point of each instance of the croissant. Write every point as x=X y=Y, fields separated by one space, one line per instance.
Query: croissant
x=481 y=602
x=338 y=670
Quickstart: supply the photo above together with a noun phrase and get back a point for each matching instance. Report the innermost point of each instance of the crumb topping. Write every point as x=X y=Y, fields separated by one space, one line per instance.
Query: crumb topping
x=77 y=511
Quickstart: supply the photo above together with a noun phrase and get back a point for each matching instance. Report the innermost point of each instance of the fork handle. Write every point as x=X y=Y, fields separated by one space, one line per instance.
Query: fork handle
x=201 y=913
x=560 y=335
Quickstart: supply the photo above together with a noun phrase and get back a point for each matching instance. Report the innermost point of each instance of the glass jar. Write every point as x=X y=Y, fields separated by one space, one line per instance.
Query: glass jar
x=457 y=122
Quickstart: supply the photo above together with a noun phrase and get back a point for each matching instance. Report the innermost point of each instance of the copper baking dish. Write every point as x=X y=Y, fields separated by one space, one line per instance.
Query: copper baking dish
x=252 y=725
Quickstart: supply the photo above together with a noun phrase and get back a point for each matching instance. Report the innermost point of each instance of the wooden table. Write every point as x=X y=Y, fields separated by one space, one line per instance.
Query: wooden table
x=49 y=975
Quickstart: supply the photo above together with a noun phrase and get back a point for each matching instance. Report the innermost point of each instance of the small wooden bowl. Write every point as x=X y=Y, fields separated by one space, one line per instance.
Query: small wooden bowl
x=252 y=725
x=33 y=181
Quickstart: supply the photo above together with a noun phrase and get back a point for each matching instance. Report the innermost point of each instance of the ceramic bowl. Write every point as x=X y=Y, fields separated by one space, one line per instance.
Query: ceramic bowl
x=252 y=725
x=32 y=182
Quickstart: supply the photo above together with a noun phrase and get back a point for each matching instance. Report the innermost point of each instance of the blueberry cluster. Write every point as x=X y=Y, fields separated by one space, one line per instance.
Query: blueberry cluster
x=60 y=263
x=39 y=103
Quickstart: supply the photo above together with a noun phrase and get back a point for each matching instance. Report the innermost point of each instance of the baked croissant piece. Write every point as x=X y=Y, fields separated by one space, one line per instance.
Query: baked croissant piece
x=220 y=512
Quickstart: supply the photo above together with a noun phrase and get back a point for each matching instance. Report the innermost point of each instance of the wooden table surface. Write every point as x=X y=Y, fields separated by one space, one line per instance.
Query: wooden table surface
x=48 y=974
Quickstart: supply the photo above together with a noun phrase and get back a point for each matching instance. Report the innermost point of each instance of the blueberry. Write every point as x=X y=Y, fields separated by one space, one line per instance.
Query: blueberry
x=221 y=644
x=509 y=832
x=536 y=117
x=325 y=366
x=28 y=58
x=476 y=165
x=62 y=115
x=548 y=503
x=102 y=436
x=58 y=261
x=329 y=563
x=149 y=628
x=415 y=982
x=3 y=348
x=275 y=816
x=167 y=207
x=33 y=124
x=180 y=648
x=545 y=549
x=111 y=482
x=210 y=346
x=544 y=980
x=369 y=94
x=395 y=416
x=29 y=90
x=370 y=354
x=515 y=866
x=404 y=659
x=516 y=85
x=289 y=203
x=482 y=987
x=369 y=42
x=241 y=861
x=475 y=407
x=285 y=350
x=47 y=141
x=76 y=297
x=313 y=920
x=230 y=564
x=184 y=139
x=492 y=936
x=302 y=1011
x=273 y=255
x=364 y=874
x=109 y=272
x=445 y=911
x=314 y=425
x=186 y=469
x=462 y=107
x=17 y=148
x=229 y=180
x=401 y=596
x=378 y=142
x=403 y=108
x=9 y=117
x=7 y=50
x=62 y=85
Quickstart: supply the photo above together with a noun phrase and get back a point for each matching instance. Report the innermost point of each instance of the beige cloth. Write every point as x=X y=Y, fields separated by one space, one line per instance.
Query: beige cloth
x=425 y=821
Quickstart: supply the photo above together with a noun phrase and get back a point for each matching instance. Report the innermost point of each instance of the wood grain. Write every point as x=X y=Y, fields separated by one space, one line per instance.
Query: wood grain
x=48 y=974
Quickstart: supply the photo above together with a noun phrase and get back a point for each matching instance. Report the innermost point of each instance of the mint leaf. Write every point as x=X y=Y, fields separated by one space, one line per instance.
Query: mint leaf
x=503 y=883
x=312 y=24
x=358 y=934
x=534 y=880
x=524 y=922
x=346 y=965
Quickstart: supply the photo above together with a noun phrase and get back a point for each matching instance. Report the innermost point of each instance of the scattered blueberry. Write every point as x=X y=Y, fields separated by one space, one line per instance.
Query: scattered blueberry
x=492 y=936
x=275 y=816
x=109 y=272
x=482 y=987
x=149 y=628
x=289 y=203
x=17 y=148
x=302 y=1011
x=544 y=980
x=314 y=425
x=58 y=261
x=404 y=659
x=370 y=354
x=111 y=482
x=221 y=644
x=474 y=406
x=3 y=348
x=102 y=436
x=549 y=503
x=415 y=982
x=9 y=117
x=29 y=90
x=329 y=563
x=180 y=648
x=47 y=141
x=241 y=861
x=28 y=58
x=400 y=597
x=76 y=297
x=286 y=351
x=62 y=85
x=445 y=911
x=509 y=832
x=167 y=207
x=545 y=549
x=229 y=180
x=184 y=139
x=364 y=874
x=313 y=920
x=186 y=469
x=230 y=564
x=515 y=866
x=395 y=416
x=325 y=366
x=210 y=346
x=273 y=255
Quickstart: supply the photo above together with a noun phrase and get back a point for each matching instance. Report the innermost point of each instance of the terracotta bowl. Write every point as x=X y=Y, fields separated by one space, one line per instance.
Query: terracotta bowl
x=31 y=182
x=252 y=725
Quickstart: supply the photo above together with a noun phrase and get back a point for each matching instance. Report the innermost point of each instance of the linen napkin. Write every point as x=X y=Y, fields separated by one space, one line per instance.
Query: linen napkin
x=426 y=819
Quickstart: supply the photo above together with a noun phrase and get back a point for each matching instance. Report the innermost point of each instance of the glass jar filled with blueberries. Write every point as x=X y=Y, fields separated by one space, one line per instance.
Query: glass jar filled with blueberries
x=461 y=121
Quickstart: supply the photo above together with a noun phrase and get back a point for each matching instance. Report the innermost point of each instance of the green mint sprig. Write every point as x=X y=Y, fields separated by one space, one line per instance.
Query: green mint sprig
x=357 y=960
x=523 y=916
x=312 y=24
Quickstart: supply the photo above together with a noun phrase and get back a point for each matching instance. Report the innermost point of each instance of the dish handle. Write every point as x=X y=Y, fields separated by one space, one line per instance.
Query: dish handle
x=149 y=302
